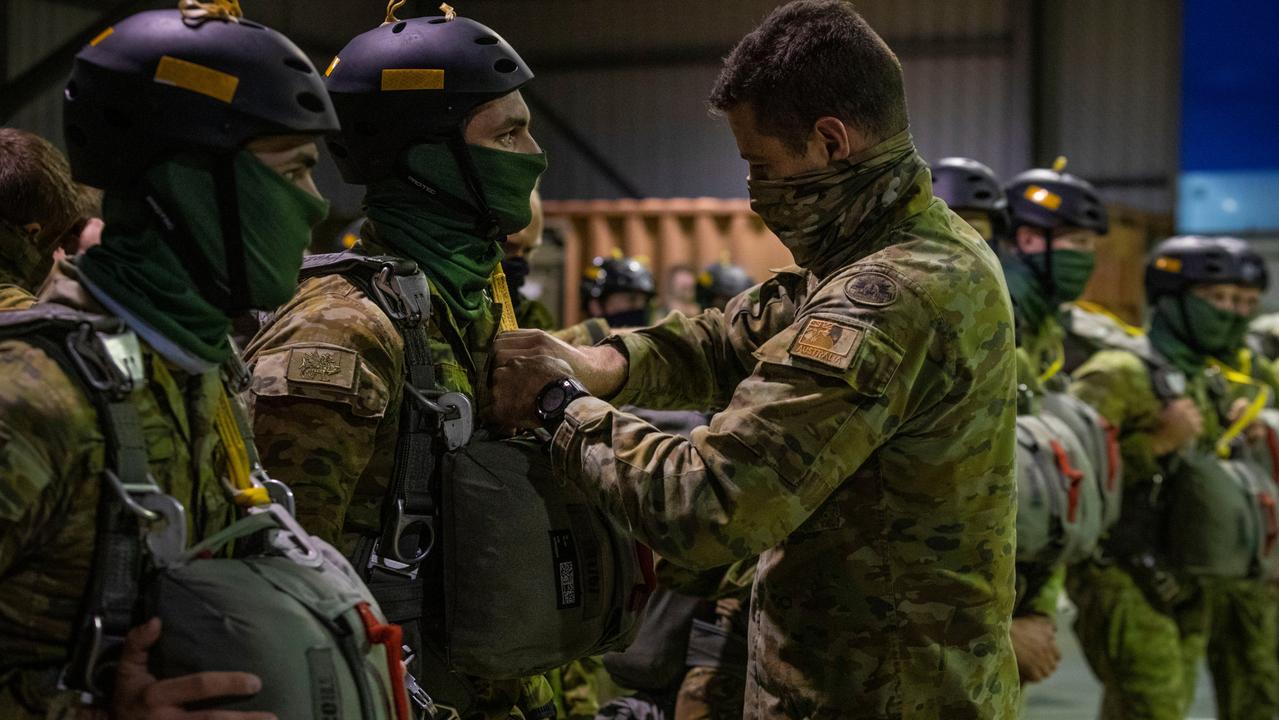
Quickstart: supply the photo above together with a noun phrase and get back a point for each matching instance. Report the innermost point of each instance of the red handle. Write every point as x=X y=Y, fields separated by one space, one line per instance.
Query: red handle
x=1076 y=478
x=1112 y=453
x=391 y=637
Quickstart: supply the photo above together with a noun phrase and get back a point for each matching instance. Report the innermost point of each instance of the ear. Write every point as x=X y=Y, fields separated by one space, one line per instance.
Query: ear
x=595 y=308
x=32 y=228
x=834 y=137
x=1029 y=240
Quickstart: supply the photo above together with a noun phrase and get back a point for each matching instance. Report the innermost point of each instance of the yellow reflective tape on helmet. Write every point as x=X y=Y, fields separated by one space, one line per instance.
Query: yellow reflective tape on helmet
x=102 y=36
x=1043 y=197
x=705 y=279
x=350 y=240
x=591 y=273
x=196 y=78
x=406 y=79
x=332 y=64
x=1168 y=264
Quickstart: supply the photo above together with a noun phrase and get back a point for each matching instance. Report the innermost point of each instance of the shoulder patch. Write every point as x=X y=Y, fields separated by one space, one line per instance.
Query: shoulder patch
x=323 y=366
x=828 y=342
x=872 y=288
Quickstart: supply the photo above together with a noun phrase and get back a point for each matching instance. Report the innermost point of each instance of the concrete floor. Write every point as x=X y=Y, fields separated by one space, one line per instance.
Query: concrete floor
x=1072 y=693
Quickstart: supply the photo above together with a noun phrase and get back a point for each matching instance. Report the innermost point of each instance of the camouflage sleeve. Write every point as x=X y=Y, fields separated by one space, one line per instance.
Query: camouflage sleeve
x=324 y=378
x=1044 y=601
x=587 y=332
x=39 y=435
x=700 y=346
x=824 y=393
x=1117 y=384
x=13 y=297
x=1264 y=370
x=536 y=316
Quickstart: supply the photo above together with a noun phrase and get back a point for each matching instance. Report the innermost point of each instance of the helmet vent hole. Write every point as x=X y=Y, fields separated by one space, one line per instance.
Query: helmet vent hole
x=72 y=90
x=981 y=194
x=366 y=128
x=301 y=66
x=399 y=27
x=437 y=21
x=486 y=40
x=311 y=102
x=506 y=65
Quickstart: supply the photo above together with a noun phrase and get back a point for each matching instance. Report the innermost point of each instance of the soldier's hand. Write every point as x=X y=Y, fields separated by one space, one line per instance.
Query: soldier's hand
x=1256 y=430
x=1035 y=645
x=140 y=696
x=600 y=368
x=516 y=384
x=1180 y=423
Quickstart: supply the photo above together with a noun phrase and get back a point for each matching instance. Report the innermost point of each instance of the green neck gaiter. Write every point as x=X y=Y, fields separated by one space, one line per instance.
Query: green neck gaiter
x=820 y=216
x=441 y=234
x=1029 y=302
x=1027 y=275
x=24 y=260
x=138 y=267
x=1186 y=329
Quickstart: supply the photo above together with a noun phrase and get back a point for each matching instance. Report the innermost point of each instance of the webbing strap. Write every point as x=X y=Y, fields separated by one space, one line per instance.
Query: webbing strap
x=1254 y=408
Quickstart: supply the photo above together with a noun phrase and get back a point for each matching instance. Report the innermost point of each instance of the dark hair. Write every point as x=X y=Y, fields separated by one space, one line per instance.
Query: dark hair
x=36 y=185
x=810 y=59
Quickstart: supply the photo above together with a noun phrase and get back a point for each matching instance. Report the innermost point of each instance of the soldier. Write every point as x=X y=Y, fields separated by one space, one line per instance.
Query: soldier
x=516 y=252
x=1142 y=620
x=864 y=439
x=721 y=282
x=449 y=166
x=191 y=142
x=40 y=208
x=1242 y=634
x=974 y=193
x=618 y=290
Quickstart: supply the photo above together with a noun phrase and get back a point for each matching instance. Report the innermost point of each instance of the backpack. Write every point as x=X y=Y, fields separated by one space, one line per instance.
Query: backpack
x=1059 y=503
x=469 y=517
x=1100 y=441
x=300 y=618
x=1221 y=516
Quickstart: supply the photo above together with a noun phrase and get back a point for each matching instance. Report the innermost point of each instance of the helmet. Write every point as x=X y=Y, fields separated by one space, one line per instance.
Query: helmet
x=1052 y=199
x=1178 y=263
x=616 y=274
x=350 y=235
x=414 y=81
x=722 y=280
x=966 y=184
x=158 y=82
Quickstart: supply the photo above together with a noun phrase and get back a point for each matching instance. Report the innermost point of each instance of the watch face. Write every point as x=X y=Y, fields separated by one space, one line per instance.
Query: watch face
x=553 y=398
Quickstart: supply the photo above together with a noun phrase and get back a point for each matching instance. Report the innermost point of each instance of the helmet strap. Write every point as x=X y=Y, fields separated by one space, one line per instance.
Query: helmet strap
x=486 y=220
x=237 y=300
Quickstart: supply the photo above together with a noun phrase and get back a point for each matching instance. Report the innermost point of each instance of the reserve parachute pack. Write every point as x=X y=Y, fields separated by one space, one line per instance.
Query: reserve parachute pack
x=280 y=604
x=1060 y=511
x=469 y=517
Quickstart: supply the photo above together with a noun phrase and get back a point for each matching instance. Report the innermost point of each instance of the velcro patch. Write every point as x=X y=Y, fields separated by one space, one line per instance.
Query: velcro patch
x=828 y=342
x=872 y=288
x=323 y=366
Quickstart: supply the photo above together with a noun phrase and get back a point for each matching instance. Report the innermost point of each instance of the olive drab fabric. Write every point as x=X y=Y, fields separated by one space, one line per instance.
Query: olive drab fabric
x=532 y=314
x=52 y=459
x=863 y=447
x=13 y=297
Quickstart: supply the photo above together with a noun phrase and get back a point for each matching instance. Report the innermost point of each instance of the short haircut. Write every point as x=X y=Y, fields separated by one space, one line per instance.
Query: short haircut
x=811 y=59
x=36 y=185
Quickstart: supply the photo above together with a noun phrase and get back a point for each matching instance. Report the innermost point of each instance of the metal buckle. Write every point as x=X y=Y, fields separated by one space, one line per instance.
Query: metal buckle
x=93 y=358
x=406 y=298
x=393 y=535
x=453 y=412
x=290 y=539
x=166 y=538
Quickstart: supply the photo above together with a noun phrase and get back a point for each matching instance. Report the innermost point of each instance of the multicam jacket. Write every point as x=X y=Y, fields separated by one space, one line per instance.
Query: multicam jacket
x=865 y=449
x=51 y=462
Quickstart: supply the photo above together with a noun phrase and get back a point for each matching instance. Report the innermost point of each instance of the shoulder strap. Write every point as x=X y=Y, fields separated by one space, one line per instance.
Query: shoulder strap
x=105 y=359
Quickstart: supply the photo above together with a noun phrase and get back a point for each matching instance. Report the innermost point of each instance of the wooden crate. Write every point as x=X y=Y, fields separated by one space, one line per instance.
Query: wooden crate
x=1117 y=283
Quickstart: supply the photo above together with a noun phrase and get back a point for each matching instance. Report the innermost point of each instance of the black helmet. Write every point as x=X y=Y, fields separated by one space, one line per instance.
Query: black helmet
x=722 y=280
x=616 y=274
x=966 y=184
x=158 y=82
x=1052 y=199
x=414 y=81
x=1179 y=263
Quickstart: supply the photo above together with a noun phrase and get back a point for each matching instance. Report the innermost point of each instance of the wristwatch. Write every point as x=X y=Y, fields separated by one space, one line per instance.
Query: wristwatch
x=555 y=398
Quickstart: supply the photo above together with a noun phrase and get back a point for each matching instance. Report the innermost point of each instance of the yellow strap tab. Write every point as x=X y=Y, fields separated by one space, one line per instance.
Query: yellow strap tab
x=1096 y=309
x=1055 y=366
x=196 y=78
x=502 y=296
x=1254 y=408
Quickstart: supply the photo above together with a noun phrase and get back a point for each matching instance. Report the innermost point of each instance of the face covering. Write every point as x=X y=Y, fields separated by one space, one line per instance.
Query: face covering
x=25 y=259
x=818 y=215
x=628 y=318
x=1071 y=270
x=516 y=270
x=137 y=265
x=1185 y=328
x=442 y=233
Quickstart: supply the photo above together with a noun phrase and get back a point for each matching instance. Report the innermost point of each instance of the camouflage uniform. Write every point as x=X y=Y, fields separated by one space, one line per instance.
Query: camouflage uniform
x=13 y=297
x=328 y=380
x=533 y=315
x=865 y=450
x=23 y=266
x=51 y=460
x=587 y=332
x=1244 y=613
x=1145 y=657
